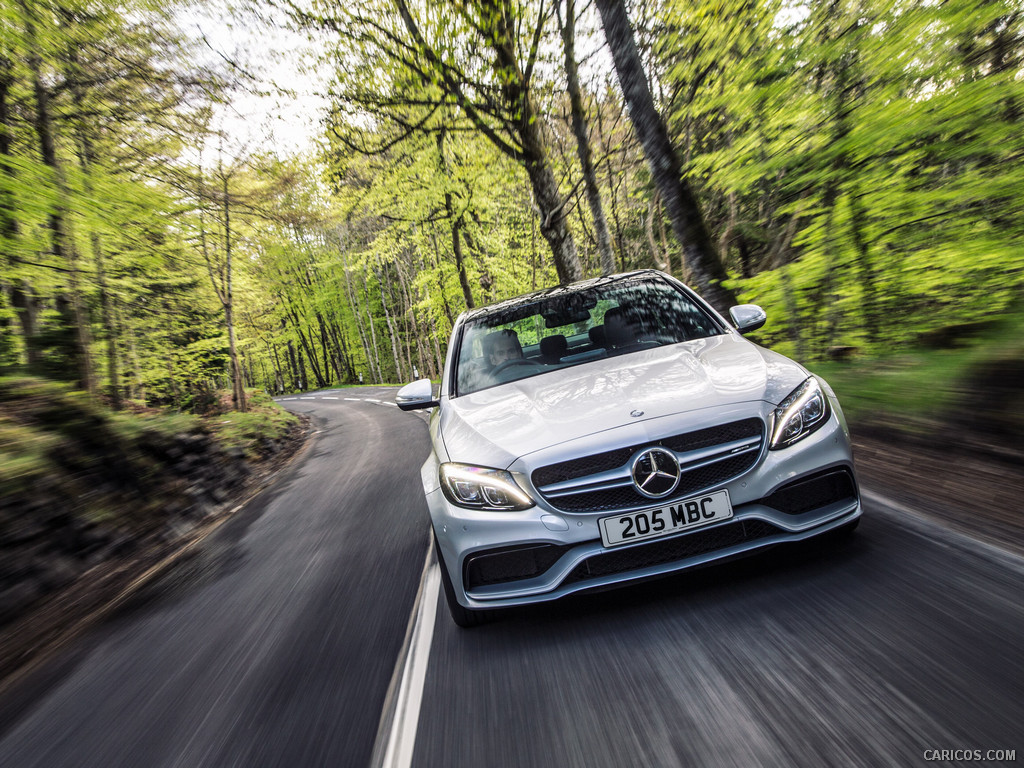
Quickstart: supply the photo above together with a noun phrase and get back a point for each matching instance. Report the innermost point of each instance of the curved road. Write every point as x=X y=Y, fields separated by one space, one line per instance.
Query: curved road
x=277 y=644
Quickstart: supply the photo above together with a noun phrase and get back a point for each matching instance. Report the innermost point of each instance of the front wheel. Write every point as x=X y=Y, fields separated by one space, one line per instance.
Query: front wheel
x=462 y=616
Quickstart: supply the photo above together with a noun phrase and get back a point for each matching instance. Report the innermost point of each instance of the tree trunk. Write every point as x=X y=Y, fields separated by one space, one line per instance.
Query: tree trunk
x=341 y=350
x=865 y=268
x=438 y=359
x=660 y=256
x=301 y=368
x=356 y=311
x=379 y=372
x=612 y=187
x=86 y=160
x=519 y=100
x=579 y=129
x=133 y=355
x=404 y=303
x=325 y=346
x=553 y=224
x=175 y=392
x=330 y=345
x=424 y=365
x=26 y=308
x=456 y=224
x=109 y=329
x=680 y=203
x=63 y=245
x=337 y=329
x=8 y=222
x=237 y=388
x=294 y=365
x=440 y=278
x=310 y=352
x=392 y=333
x=501 y=34
x=278 y=376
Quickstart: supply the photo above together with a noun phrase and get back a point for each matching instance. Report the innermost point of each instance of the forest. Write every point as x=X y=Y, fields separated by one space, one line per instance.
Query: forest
x=854 y=166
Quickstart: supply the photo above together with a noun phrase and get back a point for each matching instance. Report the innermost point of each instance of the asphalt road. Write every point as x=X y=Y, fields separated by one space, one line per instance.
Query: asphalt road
x=276 y=646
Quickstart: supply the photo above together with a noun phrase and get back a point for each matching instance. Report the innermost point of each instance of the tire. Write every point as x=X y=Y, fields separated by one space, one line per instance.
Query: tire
x=462 y=616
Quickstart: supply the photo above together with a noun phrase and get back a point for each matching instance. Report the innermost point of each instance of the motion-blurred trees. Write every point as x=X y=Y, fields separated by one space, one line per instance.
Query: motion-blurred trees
x=857 y=165
x=95 y=108
x=856 y=158
x=406 y=68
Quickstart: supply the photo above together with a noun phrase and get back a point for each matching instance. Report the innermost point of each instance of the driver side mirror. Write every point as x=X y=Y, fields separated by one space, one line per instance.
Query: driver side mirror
x=419 y=394
x=747 y=317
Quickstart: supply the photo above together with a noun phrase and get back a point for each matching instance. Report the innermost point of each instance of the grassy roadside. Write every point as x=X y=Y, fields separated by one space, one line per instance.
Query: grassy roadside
x=265 y=420
x=105 y=466
x=973 y=384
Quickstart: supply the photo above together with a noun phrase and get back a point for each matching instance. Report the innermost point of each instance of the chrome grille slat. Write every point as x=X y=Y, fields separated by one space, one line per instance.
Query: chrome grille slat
x=613 y=478
x=704 y=462
x=724 y=449
x=716 y=459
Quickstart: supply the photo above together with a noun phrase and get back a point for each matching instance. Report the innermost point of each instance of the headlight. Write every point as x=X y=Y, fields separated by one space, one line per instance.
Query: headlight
x=800 y=414
x=482 y=488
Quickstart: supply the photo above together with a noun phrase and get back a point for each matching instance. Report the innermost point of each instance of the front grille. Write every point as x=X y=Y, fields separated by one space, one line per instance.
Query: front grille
x=689 y=441
x=814 y=492
x=669 y=550
x=498 y=566
x=624 y=495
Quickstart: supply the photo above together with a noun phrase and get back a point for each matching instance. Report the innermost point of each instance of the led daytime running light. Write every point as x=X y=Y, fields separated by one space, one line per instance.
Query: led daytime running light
x=792 y=409
x=482 y=488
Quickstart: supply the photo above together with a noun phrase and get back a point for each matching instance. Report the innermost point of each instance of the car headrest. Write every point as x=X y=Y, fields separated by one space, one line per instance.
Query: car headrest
x=554 y=346
x=620 y=327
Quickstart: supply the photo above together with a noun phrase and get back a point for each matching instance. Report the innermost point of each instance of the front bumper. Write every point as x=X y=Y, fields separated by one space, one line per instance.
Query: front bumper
x=561 y=552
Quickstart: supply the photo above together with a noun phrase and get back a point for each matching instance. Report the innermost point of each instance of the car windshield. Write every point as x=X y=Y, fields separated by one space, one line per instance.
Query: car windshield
x=530 y=338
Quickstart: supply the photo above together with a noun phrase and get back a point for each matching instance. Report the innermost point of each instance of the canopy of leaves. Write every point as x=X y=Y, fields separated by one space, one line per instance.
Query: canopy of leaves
x=858 y=163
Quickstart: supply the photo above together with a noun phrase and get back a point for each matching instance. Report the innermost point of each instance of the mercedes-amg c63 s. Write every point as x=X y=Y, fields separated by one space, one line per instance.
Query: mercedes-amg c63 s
x=618 y=429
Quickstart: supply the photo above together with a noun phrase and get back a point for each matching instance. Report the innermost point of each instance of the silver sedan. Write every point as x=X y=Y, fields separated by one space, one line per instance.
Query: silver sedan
x=619 y=429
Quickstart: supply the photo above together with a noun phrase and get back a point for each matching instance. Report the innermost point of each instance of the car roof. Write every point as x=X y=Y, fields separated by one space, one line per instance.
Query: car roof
x=558 y=290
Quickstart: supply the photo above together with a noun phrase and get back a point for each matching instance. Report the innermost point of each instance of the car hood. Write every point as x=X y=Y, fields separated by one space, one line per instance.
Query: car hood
x=496 y=426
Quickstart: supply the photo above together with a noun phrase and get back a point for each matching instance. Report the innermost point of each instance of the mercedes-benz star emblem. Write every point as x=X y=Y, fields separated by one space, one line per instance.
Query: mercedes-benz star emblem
x=656 y=473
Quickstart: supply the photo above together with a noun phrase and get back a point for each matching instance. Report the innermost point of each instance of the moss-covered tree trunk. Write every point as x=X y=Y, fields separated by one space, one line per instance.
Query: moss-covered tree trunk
x=681 y=204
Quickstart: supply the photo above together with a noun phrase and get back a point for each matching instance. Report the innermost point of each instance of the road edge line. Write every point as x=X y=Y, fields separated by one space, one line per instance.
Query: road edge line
x=400 y=714
x=949 y=535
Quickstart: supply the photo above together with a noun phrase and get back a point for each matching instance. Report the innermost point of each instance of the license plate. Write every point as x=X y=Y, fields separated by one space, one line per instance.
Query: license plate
x=655 y=523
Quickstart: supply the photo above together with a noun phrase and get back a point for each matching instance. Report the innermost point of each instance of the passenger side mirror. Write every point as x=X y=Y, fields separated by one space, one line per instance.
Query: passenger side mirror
x=747 y=317
x=419 y=394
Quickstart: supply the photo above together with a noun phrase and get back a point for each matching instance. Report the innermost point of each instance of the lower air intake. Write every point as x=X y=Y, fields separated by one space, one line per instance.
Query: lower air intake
x=669 y=550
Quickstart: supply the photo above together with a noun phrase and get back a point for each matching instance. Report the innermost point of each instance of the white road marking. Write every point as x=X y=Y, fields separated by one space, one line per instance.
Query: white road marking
x=307 y=398
x=936 y=531
x=325 y=397
x=371 y=400
x=396 y=734
x=354 y=399
x=289 y=398
x=391 y=405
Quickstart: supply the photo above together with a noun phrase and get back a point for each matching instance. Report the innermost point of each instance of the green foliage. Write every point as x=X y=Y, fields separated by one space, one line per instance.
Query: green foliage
x=974 y=381
x=265 y=420
x=858 y=160
x=56 y=438
x=859 y=165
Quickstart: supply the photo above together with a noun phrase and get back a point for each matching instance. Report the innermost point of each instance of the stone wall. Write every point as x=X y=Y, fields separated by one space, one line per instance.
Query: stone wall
x=109 y=505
